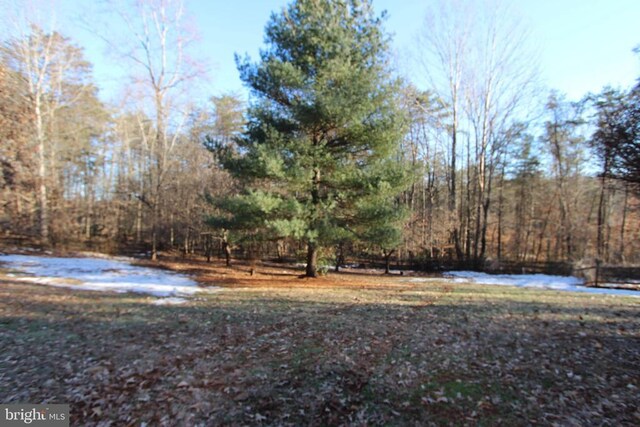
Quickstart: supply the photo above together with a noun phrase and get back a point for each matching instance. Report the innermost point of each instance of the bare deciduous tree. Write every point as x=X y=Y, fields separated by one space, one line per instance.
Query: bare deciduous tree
x=56 y=76
x=477 y=60
x=162 y=70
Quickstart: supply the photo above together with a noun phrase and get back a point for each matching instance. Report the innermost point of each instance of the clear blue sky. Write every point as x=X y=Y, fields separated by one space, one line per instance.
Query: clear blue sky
x=584 y=44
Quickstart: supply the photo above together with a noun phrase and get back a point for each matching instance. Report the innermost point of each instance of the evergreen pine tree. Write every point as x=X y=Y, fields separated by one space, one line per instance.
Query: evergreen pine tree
x=316 y=160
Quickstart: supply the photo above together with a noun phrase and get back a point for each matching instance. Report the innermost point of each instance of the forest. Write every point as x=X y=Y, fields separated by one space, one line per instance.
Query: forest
x=174 y=256
x=337 y=157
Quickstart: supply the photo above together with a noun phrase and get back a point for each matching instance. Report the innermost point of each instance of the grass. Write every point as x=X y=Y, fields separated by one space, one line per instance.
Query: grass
x=272 y=349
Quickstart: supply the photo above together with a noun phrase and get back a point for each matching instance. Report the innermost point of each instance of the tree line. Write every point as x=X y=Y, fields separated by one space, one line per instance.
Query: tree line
x=337 y=157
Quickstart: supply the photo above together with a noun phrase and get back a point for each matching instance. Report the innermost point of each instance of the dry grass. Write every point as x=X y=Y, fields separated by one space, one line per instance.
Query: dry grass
x=345 y=349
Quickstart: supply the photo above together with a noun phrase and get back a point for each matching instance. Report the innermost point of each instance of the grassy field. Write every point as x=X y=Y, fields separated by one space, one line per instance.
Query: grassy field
x=273 y=349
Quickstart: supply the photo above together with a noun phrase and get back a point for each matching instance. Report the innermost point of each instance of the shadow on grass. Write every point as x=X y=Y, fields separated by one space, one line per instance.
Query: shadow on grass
x=391 y=355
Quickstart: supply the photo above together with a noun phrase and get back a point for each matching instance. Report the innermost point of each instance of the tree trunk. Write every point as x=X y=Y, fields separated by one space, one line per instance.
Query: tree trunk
x=139 y=215
x=455 y=233
x=312 y=248
x=500 y=212
x=430 y=214
x=601 y=218
x=87 y=223
x=208 y=247
x=154 y=243
x=42 y=176
x=468 y=210
x=171 y=232
x=339 y=257
x=387 y=261
x=89 y=206
x=312 y=260
x=226 y=247
x=624 y=221
x=227 y=254
x=154 y=232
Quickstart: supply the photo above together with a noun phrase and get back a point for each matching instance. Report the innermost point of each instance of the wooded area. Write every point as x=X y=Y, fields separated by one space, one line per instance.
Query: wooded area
x=347 y=155
x=336 y=158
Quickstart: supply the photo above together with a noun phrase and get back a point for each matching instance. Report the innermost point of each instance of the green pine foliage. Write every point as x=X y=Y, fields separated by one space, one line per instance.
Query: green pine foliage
x=316 y=159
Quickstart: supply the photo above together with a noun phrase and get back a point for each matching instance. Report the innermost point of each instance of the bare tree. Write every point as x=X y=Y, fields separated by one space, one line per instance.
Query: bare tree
x=31 y=55
x=565 y=145
x=476 y=58
x=17 y=184
x=444 y=43
x=162 y=71
x=55 y=76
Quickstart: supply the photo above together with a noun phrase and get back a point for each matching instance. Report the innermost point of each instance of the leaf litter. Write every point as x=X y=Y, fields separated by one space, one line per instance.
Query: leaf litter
x=272 y=349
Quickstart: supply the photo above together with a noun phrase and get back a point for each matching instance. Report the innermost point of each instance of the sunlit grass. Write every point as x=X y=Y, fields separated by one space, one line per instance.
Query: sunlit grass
x=380 y=349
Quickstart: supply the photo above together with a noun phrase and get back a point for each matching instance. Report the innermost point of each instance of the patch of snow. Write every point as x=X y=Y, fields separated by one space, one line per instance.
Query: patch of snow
x=543 y=281
x=531 y=280
x=169 y=301
x=95 y=274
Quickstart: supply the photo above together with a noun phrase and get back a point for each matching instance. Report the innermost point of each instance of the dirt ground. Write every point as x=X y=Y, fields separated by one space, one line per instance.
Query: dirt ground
x=345 y=349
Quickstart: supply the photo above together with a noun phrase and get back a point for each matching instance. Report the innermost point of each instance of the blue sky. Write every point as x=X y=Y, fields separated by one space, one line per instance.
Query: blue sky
x=583 y=44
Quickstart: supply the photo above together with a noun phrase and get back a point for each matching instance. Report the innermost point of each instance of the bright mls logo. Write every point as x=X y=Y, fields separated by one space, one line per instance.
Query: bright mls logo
x=34 y=415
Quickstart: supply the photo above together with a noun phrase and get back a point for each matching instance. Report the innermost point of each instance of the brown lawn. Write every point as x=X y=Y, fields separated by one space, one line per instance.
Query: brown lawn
x=346 y=349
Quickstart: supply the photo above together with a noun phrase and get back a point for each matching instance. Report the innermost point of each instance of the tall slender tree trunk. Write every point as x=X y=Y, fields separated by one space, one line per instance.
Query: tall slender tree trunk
x=485 y=213
x=483 y=233
x=500 y=212
x=186 y=243
x=160 y=143
x=42 y=174
x=312 y=260
x=468 y=204
x=89 y=215
x=601 y=218
x=139 y=212
x=139 y=222
x=312 y=248
x=481 y=180
x=452 y=186
x=227 y=248
x=423 y=215
x=624 y=221
x=171 y=232
x=600 y=231
x=154 y=230
x=430 y=218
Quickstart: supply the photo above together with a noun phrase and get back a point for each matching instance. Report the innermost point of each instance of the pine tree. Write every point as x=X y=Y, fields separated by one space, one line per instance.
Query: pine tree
x=316 y=158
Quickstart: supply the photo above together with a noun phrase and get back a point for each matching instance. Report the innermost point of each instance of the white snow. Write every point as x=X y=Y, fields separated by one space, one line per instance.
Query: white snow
x=544 y=281
x=100 y=274
x=169 y=301
x=118 y=275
